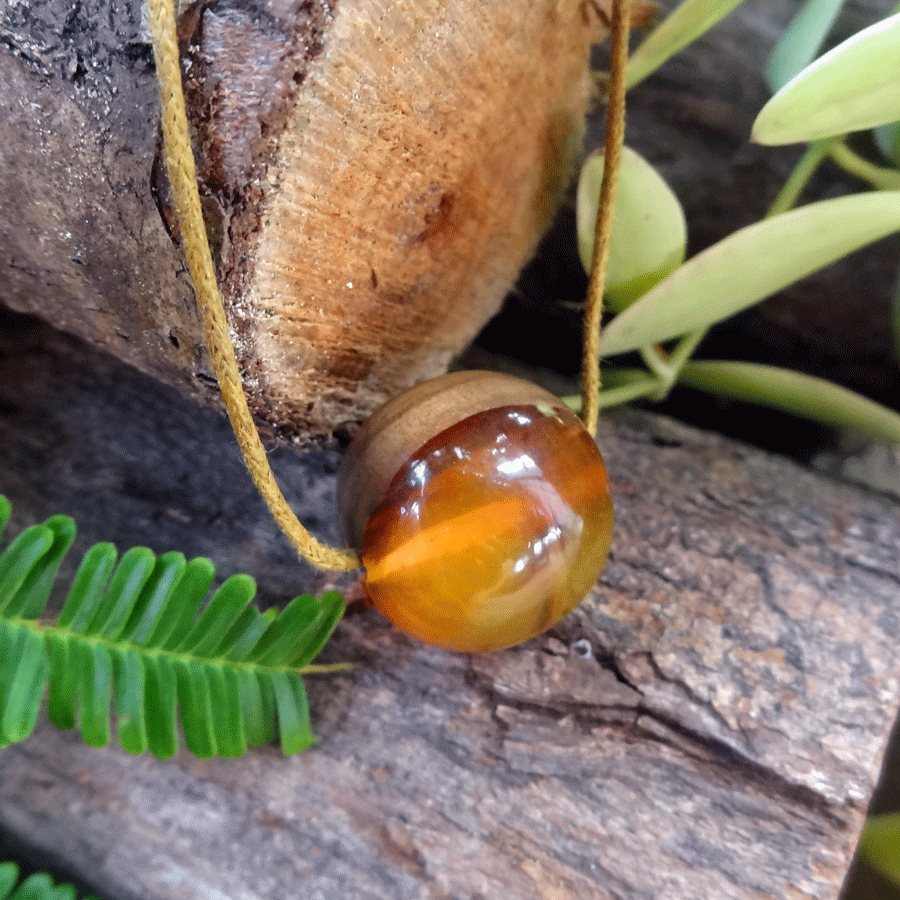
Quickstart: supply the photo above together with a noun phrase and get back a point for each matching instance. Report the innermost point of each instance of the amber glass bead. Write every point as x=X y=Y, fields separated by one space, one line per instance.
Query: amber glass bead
x=490 y=530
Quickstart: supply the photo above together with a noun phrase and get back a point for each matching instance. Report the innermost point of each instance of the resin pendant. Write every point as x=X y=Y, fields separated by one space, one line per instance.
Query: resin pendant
x=481 y=509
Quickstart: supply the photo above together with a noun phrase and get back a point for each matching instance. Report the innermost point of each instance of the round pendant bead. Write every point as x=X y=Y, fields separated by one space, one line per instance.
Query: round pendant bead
x=481 y=509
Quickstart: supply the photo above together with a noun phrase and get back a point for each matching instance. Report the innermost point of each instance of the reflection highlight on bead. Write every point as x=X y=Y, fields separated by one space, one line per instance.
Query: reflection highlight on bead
x=492 y=530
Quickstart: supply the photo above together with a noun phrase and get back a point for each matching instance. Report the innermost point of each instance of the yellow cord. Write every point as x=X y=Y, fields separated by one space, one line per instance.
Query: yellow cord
x=615 y=132
x=183 y=178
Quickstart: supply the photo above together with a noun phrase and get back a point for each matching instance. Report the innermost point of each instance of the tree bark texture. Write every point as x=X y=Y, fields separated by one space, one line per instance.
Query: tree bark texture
x=84 y=244
x=708 y=723
x=375 y=175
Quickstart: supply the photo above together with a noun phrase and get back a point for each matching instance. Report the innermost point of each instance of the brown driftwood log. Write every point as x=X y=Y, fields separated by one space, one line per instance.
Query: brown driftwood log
x=376 y=174
x=83 y=244
x=708 y=723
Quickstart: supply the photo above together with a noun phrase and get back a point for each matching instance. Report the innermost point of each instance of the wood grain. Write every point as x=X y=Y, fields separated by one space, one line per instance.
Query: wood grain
x=375 y=175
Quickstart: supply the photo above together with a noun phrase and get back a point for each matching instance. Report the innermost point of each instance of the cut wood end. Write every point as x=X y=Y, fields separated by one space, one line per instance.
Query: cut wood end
x=382 y=171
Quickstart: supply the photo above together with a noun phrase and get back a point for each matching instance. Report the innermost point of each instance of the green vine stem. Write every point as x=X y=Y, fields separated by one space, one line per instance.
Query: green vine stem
x=798 y=179
x=881 y=178
x=794 y=392
x=630 y=385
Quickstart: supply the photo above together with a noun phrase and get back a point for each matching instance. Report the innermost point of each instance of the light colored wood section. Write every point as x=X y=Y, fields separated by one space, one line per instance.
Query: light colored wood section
x=412 y=184
x=375 y=176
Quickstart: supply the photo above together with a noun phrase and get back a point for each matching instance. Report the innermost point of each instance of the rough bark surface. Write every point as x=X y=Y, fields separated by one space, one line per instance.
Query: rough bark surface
x=376 y=174
x=709 y=723
x=82 y=242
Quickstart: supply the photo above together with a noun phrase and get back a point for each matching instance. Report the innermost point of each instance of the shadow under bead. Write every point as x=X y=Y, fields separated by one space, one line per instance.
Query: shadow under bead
x=481 y=509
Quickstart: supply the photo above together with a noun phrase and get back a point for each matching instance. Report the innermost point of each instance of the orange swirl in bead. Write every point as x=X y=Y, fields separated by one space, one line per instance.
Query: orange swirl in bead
x=492 y=531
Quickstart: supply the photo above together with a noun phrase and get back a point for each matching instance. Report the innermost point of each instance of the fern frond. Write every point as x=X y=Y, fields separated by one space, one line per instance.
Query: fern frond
x=134 y=636
x=35 y=887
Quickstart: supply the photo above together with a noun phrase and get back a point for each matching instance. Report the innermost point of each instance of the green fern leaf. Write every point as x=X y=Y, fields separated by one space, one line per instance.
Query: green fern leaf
x=39 y=886
x=134 y=638
x=9 y=873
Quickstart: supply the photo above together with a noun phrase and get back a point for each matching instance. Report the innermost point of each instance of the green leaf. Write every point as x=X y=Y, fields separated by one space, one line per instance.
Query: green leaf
x=684 y=24
x=88 y=586
x=801 y=41
x=284 y=634
x=96 y=694
x=5 y=511
x=39 y=886
x=154 y=596
x=193 y=587
x=35 y=589
x=853 y=86
x=193 y=694
x=20 y=699
x=160 y=707
x=219 y=616
x=132 y=573
x=258 y=707
x=879 y=845
x=293 y=712
x=793 y=392
x=133 y=637
x=129 y=688
x=331 y=611
x=64 y=892
x=244 y=634
x=649 y=234
x=751 y=264
x=225 y=694
x=17 y=562
x=62 y=696
x=9 y=872
x=36 y=887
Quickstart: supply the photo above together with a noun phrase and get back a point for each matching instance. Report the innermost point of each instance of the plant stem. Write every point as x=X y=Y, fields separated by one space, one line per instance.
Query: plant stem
x=657 y=362
x=328 y=668
x=625 y=393
x=803 y=171
x=794 y=392
x=881 y=178
x=684 y=348
x=639 y=386
x=667 y=369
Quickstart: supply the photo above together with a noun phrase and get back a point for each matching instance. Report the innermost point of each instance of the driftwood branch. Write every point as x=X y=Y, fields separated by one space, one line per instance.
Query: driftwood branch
x=375 y=174
x=709 y=723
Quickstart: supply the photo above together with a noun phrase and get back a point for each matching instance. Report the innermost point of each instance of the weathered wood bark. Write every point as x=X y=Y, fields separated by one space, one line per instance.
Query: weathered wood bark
x=376 y=174
x=709 y=723
x=81 y=241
